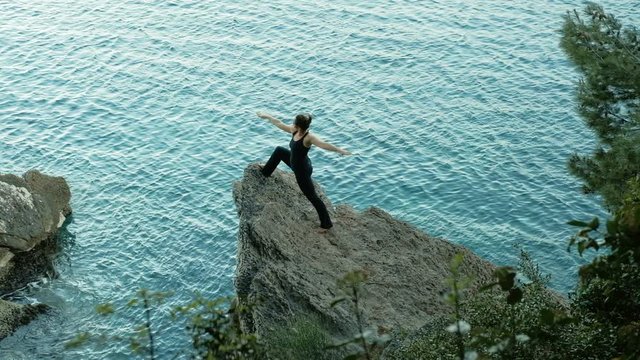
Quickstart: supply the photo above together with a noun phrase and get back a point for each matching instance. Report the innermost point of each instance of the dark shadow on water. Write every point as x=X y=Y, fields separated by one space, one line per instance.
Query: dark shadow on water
x=65 y=241
x=35 y=268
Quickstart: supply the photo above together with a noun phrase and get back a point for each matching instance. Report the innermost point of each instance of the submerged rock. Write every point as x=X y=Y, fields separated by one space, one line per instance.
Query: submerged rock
x=32 y=208
x=284 y=267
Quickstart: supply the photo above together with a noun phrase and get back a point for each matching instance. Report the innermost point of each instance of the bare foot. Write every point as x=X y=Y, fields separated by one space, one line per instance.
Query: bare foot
x=322 y=230
x=260 y=167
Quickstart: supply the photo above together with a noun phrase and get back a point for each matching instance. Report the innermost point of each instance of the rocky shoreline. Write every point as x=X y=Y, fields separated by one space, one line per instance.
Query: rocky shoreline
x=32 y=209
x=284 y=268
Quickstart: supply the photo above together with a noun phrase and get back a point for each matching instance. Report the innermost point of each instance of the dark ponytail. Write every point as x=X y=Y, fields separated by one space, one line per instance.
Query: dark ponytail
x=303 y=121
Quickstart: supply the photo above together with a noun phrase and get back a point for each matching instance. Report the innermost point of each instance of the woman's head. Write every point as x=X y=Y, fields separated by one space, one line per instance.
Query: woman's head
x=302 y=121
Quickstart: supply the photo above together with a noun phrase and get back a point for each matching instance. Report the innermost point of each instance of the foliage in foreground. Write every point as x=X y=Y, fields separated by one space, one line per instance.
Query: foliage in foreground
x=496 y=324
x=215 y=330
x=609 y=289
x=302 y=337
x=142 y=340
x=608 y=57
x=211 y=324
x=367 y=341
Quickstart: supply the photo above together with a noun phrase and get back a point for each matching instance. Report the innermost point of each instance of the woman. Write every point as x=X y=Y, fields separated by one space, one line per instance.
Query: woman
x=299 y=162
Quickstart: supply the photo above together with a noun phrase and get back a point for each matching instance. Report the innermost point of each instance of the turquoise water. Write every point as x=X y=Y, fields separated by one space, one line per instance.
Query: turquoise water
x=462 y=114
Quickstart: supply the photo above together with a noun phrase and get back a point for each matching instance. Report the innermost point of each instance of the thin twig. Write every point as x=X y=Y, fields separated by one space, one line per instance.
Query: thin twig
x=148 y=325
x=359 y=319
x=457 y=309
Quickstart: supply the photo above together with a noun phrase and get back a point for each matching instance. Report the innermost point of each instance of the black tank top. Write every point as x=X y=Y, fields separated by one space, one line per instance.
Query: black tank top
x=299 y=159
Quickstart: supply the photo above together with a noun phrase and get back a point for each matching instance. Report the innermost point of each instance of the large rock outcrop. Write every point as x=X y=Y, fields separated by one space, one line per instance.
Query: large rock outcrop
x=288 y=268
x=32 y=208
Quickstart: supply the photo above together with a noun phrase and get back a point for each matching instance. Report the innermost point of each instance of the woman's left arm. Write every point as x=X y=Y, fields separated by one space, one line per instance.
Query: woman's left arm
x=326 y=146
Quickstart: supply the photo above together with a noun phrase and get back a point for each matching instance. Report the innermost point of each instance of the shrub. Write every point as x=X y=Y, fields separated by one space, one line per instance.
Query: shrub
x=303 y=337
x=539 y=326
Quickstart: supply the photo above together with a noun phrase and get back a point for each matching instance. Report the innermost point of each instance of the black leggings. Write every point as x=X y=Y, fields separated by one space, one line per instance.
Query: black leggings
x=303 y=177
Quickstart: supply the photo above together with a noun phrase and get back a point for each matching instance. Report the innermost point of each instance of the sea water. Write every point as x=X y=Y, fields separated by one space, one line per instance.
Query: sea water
x=461 y=114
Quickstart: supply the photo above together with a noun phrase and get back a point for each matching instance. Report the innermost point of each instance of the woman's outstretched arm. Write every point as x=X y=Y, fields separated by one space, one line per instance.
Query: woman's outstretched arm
x=276 y=122
x=326 y=146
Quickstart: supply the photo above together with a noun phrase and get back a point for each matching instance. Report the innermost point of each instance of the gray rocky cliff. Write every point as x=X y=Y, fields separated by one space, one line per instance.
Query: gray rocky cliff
x=32 y=208
x=285 y=267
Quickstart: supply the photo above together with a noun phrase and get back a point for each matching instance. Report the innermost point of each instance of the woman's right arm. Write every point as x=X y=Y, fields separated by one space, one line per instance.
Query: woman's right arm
x=276 y=122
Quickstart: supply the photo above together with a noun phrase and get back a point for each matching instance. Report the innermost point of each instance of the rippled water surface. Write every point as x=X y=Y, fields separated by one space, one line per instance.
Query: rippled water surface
x=461 y=113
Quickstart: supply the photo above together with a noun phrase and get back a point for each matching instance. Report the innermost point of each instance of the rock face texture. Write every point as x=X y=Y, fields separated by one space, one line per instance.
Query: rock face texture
x=285 y=267
x=32 y=208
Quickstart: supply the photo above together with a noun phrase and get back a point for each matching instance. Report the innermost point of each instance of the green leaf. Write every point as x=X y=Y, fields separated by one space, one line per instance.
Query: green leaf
x=355 y=356
x=104 y=309
x=565 y=320
x=515 y=295
x=577 y=223
x=77 y=341
x=488 y=286
x=340 y=344
x=337 y=301
x=612 y=226
x=584 y=232
x=136 y=346
x=582 y=245
x=585 y=271
x=592 y=244
x=506 y=277
x=353 y=278
x=456 y=261
x=354 y=340
x=547 y=316
x=594 y=224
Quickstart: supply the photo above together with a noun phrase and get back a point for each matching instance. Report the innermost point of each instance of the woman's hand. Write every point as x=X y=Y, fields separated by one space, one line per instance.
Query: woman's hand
x=262 y=115
x=326 y=146
x=276 y=122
